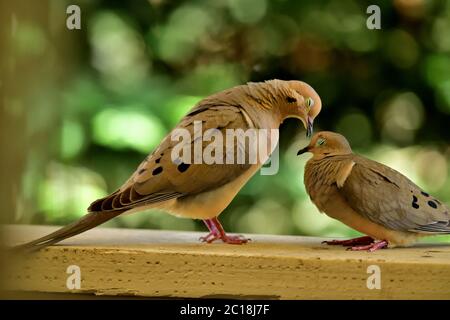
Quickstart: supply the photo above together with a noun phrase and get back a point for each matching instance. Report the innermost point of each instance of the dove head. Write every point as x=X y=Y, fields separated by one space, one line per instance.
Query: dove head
x=291 y=99
x=327 y=143
x=301 y=101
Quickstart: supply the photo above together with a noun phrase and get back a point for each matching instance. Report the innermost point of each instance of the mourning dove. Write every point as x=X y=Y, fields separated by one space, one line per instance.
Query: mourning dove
x=369 y=196
x=201 y=190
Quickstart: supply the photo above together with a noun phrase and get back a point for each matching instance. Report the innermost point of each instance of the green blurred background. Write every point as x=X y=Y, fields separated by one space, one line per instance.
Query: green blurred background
x=82 y=108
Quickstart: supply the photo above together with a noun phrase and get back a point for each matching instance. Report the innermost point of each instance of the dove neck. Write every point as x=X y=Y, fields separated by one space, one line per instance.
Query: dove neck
x=328 y=155
x=261 y=104
x=264 y=118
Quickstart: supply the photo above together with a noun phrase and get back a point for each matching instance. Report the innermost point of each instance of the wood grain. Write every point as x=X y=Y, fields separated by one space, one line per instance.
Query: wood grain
x=174 y=264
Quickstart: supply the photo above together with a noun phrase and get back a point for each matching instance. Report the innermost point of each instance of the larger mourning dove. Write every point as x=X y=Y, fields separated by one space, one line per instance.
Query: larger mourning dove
x=201 y=190
x=369 y=196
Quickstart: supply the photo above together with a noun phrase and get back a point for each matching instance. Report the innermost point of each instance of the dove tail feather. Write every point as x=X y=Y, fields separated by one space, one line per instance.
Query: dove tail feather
x=87 y=222
x=440 y=227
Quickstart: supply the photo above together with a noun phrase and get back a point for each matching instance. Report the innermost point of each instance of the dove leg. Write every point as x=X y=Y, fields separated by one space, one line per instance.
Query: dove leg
x=238 y=239
x=366 y=240
x=213 y=233
x=371 y=247
x=217 y=232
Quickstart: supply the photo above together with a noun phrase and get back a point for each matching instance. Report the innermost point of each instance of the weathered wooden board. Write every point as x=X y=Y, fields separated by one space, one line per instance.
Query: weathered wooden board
x=175 y=264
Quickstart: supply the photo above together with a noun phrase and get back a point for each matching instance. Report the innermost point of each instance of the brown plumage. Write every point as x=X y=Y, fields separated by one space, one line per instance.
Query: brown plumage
x=201 y=191
x=369 y=196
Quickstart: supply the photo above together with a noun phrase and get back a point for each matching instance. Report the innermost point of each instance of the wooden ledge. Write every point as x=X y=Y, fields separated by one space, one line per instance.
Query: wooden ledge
x=174 y=264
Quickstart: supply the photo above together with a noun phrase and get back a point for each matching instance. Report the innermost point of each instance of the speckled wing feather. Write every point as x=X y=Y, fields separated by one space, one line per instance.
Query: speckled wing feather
x=202 y=189
x=387 y=197
x=158 y=178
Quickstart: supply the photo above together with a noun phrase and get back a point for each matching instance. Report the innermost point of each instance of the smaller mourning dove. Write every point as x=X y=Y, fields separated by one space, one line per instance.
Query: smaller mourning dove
x=202 y=190
x=369 y=196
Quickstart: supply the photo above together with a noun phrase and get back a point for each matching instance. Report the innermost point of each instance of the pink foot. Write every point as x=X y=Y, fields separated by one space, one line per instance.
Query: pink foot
x=213 y=233
x=210 y=237
x=217 y=232
x=366 y=240
x=371 y=247
x=239 y=239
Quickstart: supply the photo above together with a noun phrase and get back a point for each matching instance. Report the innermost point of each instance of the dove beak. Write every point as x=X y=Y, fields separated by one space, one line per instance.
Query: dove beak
x=309 y=127
x=302 y=151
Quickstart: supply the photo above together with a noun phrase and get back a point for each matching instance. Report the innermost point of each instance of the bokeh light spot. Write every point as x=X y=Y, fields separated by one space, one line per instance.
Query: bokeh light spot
x=357 y=128
x=127 y=129
x=118 y=51
x=435 y=175
x=440 y=32
x=72 y=139
x=266 y=215
x=29 y=39
x=68 y=191
x=401 y=49
x=248 y=11
x=401 y=117
x=174 y=44
x=437 y=69
x=180 y=105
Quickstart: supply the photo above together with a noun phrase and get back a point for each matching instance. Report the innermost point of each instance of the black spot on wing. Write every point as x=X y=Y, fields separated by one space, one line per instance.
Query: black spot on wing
x=432 y=204
x=158 y=160
x=425 y=194
x=414 y=204
x=157 y=171
x=182 y=167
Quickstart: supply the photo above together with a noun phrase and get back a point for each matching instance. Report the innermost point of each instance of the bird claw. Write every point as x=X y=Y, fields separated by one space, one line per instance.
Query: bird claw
x=371 y=247
x=211 y=237
x=238 y=239
x=217 y=232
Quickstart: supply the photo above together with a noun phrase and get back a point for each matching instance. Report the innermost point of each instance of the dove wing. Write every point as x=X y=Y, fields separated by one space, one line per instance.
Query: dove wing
x=158 y=178
x=385 y=196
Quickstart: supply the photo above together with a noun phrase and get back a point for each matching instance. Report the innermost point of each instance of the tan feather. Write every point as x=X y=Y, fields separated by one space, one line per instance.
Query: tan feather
x=200 y=190
x=387 y=204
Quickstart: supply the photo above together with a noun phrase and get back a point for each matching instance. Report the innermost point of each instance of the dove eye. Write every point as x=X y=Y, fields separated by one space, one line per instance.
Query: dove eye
x=309 y=102
x=321 y=142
